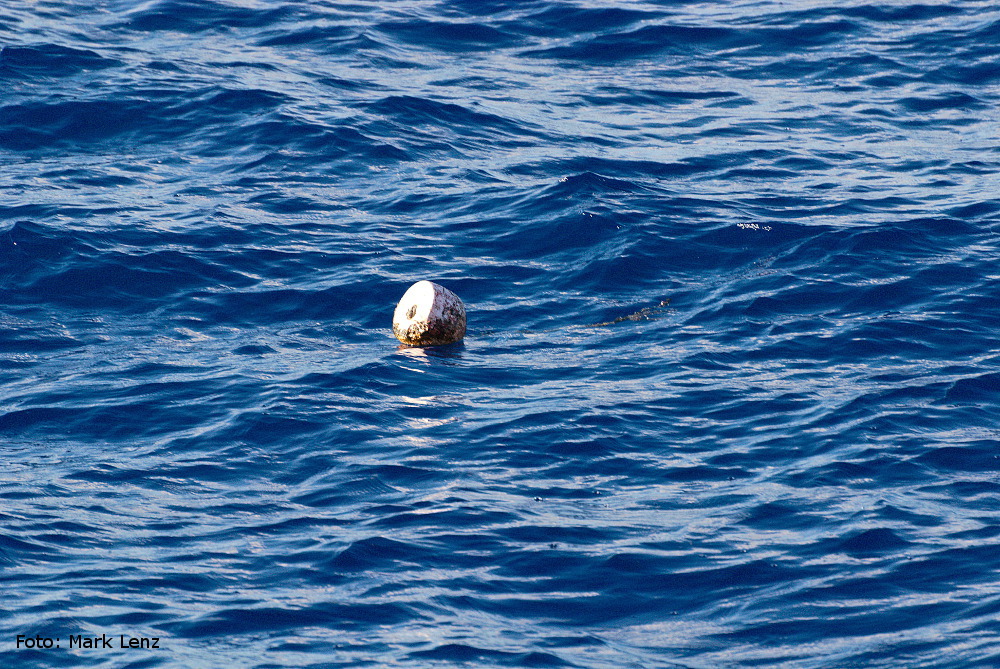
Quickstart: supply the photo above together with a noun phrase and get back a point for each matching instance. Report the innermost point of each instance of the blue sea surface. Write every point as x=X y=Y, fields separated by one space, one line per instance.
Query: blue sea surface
x=730 y=395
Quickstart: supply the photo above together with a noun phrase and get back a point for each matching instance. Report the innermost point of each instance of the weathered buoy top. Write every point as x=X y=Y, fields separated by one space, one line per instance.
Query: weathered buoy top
x=429 y=315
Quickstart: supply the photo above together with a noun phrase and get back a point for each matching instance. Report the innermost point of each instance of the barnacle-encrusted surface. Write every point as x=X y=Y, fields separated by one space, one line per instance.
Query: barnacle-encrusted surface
x=429 y=315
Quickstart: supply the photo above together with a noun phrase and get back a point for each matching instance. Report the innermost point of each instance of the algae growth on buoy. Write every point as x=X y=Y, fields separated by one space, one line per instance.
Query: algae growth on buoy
x=429 y=315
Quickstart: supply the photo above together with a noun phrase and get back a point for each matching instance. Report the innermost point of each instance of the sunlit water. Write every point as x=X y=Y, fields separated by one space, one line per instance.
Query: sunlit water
x=729 y=396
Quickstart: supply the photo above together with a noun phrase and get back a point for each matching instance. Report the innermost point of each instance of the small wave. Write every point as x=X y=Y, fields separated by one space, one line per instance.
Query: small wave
x=193 y=16
x=49 y=60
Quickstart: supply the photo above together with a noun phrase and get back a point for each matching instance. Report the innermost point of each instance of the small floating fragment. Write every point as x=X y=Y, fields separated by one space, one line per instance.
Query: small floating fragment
x=644 y=314
x=429 y=315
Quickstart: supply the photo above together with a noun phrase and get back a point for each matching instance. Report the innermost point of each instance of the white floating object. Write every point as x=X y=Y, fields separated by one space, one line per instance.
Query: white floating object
x=429 y=315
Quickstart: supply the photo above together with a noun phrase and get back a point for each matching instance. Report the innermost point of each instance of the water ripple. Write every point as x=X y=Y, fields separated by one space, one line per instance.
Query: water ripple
x=728 y=396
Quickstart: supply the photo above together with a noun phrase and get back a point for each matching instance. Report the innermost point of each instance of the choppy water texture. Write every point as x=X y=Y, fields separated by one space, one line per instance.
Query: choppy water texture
x=209 y=210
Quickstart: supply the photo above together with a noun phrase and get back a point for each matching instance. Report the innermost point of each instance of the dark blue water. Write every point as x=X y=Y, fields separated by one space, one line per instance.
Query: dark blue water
x=730 y=392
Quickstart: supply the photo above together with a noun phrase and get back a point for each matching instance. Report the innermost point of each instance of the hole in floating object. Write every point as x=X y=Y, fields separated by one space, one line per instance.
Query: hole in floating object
x=412 y=312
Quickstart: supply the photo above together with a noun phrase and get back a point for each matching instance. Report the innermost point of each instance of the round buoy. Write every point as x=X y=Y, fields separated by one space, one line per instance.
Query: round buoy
x=429 y=315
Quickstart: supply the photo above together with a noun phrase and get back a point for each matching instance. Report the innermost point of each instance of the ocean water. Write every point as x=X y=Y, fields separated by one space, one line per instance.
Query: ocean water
x=731 y=387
